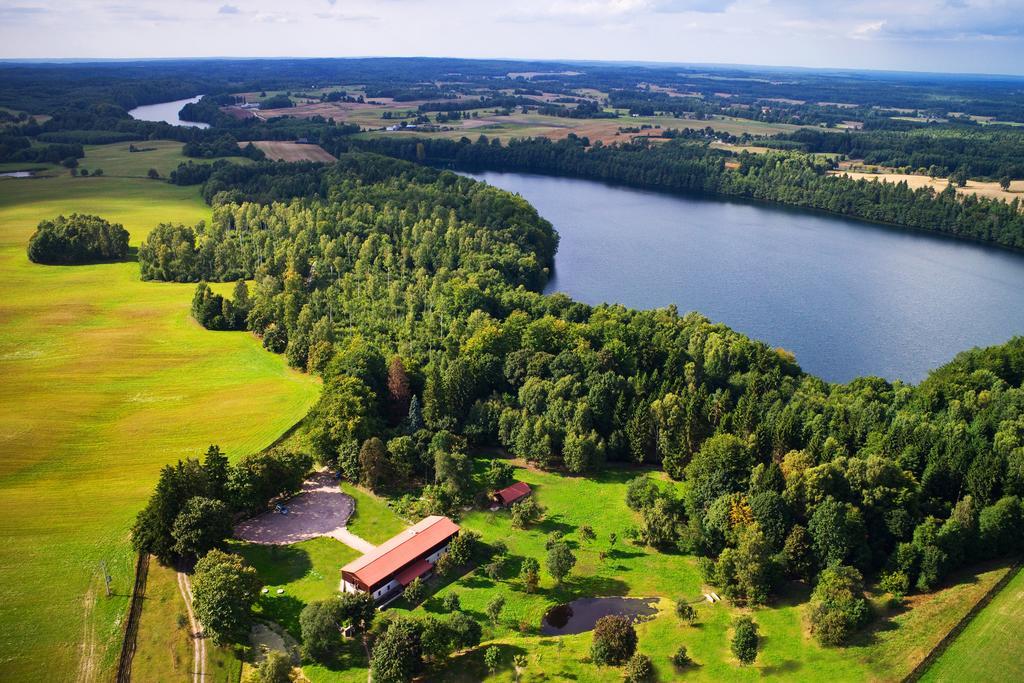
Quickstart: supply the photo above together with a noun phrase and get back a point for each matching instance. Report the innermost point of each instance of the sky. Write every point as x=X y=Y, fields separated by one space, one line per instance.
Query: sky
x=979 y=36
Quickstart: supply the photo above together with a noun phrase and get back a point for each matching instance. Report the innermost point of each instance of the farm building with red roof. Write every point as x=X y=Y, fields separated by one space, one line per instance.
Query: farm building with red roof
x=512 y=494
x=386 y=570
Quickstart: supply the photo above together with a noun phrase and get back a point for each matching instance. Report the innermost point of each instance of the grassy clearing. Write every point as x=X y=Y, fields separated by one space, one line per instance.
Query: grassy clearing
x=106 y=378
x=373 y=520
x=164 y=647
x=994 y=632
x=163 y=155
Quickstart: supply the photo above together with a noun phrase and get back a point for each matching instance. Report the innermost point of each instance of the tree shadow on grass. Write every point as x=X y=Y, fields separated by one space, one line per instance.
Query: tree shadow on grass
x=469 y=665
x=276 y=565
x=284 y=609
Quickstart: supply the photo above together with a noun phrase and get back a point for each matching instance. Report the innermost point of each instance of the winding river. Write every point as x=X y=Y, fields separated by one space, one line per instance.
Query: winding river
x=848 y=298
x=167 y=111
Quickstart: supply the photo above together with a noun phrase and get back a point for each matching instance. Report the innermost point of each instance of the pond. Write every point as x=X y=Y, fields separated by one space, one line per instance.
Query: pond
x=849 y=298
x=16 y=174
x=168 y=112
x=581 y=615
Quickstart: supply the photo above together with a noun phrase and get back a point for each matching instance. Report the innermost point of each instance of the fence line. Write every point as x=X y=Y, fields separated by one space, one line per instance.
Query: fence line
x=948 y=639
x=131 y=629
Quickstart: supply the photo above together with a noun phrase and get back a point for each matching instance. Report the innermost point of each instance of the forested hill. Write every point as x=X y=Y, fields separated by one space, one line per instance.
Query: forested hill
x=415 y=293
x=683 y=166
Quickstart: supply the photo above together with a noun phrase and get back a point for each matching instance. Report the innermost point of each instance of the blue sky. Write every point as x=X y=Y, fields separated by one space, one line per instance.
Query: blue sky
x=983 y=36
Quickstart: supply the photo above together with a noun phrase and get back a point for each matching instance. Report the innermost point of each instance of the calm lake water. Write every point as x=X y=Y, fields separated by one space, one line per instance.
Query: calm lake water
x=849 y=298
x=167 y=111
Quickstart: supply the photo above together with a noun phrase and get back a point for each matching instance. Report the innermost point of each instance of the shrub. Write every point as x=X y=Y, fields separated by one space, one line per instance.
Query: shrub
x=494 y=608
x=275 y=668
x=492 y=658
x=686 y=612
x=526 y=512
x=560 y=561
x=639 y=668
x=838 y=607
x=744 y=640
x=451 y=602
x=414 y=591
x=614 y=640
x=78 y=238
x=681 y=657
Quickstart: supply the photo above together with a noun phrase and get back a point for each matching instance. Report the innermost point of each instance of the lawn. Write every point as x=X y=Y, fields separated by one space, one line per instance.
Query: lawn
x=995 y=632
x=105 y=379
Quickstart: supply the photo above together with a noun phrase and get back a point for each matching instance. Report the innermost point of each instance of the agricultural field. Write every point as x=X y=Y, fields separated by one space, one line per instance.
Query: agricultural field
x=163 y=155
x=898 y=639
x=292 y=151
x=996 y=632
x=975 y=187
x=106 y=379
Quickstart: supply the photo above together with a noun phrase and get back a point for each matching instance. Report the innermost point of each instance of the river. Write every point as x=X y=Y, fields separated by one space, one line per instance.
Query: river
x=848 y=298
x=167 y=111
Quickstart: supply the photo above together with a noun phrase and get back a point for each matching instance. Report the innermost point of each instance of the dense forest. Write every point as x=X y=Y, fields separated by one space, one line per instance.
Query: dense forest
x=987 y=153
x=415 y=294
x=681 y=165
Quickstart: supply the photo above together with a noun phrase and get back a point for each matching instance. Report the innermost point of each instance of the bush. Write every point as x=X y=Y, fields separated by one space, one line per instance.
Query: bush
x=744 y=640
x=639 y=668
x=614 y=640
x=275 y=668
x=681 y=657
x=686 y=612
x=838 y=607
x=451 y=603
x=414 y=591
x=79 y=238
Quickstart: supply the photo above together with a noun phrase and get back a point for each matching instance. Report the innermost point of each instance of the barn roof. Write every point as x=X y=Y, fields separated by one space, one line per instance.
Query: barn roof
x=511 y=494
x=398 y=552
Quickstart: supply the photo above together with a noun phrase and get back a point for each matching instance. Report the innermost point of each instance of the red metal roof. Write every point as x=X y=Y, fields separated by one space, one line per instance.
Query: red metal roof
x=511 y=494
x=394 y=554
x=414 y=570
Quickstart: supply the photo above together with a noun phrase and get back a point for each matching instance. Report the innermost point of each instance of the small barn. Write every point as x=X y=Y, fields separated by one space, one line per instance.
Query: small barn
x=512 y=494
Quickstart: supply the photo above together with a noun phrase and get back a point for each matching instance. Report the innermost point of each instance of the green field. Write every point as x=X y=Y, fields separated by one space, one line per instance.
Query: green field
x=995 y=632
x=105 y=379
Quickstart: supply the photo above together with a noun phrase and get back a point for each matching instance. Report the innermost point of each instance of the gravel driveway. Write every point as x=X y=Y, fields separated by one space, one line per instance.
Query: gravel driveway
x=321 y=509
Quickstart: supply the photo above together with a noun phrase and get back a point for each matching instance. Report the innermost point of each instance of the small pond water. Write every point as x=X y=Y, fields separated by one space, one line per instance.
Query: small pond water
x=849 y=298
x=168 y=112
x=16 y=174
x=580 y=616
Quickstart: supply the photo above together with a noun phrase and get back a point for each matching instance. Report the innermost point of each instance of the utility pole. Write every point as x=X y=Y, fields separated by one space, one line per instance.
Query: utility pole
x=106 y=575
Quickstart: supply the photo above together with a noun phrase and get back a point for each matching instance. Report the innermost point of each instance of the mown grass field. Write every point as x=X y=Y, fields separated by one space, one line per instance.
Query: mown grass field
x=898 y=639
x=989 y=649
x=104 y=379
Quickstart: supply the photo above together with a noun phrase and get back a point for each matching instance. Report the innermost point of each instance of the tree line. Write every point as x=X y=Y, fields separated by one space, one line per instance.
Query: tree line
x=682 y=165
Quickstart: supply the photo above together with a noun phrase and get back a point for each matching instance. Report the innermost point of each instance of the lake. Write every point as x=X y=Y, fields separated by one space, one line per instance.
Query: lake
x=848 y=298
x=167 y=111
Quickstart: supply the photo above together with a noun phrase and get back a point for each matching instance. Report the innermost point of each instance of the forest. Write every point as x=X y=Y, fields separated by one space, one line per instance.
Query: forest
x=415 y=294
x=681 y=165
